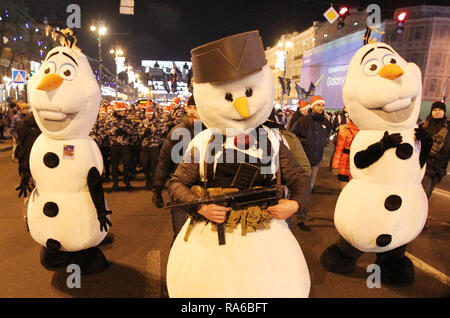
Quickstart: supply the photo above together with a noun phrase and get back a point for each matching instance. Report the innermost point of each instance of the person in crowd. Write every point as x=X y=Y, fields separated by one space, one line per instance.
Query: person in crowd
x=13 y=108
x=119 y=129
x=176 y=114
x=280 y=117
x=295 y=146
x=302 y=110
x=313 y=130
x=437 y=125
x=135 y=142
x=166 y=164
x=341 y=157
x=100 y=136
x=336 y=119
x=152 y=130
x=13 y=128
x=27 y=133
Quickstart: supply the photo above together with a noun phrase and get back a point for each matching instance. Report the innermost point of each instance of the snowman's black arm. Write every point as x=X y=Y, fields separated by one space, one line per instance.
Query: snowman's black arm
x=95 y=185
x=365 y=158
x=424 y=152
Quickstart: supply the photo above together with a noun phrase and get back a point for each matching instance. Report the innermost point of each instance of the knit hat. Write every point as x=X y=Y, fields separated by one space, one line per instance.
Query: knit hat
x=119 y=106
x=440 y=105
x=302 y=104
x=316 y=100
x=148 y=110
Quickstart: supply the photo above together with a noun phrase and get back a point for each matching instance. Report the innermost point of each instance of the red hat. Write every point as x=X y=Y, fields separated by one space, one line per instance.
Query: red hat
x=303 y=104
x=316 y=100
x=148 y=110
x=119 y=106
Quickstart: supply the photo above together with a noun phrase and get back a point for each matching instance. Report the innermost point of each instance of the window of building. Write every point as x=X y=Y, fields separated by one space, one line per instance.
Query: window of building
x=415 y=58
x=394 y=36
x=437 y=59
x=419 y=33
x=442 y=32
x=433 y=85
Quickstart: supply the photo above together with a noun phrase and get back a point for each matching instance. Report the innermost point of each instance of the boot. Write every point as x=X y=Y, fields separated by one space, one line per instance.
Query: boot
x=396 y=268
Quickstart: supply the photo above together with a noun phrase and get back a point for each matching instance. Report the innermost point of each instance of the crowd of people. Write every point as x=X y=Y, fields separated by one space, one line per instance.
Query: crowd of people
x=138 y=136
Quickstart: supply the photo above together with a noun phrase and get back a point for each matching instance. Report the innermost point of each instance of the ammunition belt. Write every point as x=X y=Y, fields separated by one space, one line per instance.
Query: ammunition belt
x=251 y=218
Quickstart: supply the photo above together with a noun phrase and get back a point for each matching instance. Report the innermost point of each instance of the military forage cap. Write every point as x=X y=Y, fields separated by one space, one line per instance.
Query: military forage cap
x=229 y=58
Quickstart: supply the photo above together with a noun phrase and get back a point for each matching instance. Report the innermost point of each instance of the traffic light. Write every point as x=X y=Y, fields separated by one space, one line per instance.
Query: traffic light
x=401 y=22
x=343 y=12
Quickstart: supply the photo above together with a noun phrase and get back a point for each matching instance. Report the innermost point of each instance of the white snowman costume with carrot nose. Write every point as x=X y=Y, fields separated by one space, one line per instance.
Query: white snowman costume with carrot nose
x=65 y=99
x=384 y=206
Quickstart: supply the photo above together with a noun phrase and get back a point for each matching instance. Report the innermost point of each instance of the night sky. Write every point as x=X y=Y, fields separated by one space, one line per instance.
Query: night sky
x=169 y=29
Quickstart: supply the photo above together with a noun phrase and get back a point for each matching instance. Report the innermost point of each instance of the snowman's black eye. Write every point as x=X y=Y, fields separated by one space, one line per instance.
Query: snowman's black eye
x=249 y=92
x=229 y=97
x=393 y=61
x=67 y=72
x=47 y=70
x=373 y=67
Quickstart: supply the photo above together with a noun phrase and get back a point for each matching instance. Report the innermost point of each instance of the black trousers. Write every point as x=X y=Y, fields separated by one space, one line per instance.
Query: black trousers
x=105 y=150
x=149 y=160
x=118 y=153
x=134 y=158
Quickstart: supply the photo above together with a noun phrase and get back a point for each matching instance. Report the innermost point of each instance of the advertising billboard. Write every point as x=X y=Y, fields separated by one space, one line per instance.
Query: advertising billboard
x=331 y=60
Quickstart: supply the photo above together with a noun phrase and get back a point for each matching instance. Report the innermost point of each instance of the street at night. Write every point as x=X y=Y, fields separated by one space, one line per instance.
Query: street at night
x=139 y=243
x=209 y=151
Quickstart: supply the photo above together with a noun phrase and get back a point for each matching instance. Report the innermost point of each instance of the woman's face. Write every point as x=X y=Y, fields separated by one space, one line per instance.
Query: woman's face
x=437 y=113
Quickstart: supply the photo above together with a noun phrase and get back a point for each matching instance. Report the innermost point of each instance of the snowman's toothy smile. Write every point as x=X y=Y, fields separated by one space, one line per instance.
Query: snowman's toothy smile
x=397 y=105
x=397 y=111
x=54 y=120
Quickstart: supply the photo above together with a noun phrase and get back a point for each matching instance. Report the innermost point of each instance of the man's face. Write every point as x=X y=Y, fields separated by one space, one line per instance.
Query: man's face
x=24 y=111
x=121 y=113
x=318 y=108
x=192 y=112
x=437 y=113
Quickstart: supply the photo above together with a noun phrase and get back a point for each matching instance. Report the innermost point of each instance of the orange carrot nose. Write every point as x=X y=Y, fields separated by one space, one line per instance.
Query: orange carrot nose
x=50 y=82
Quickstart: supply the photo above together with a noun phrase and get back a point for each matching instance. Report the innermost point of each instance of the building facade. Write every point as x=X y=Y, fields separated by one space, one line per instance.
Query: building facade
x=323 y=49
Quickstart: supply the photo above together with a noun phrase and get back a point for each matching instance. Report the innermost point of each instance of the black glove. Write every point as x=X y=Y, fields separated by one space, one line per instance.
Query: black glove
x=423 y=135
x=390 y=141
x=158 y=199
x=24 y=185
x=104 y=222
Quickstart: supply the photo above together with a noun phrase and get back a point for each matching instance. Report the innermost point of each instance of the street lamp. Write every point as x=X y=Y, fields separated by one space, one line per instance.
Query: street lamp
x=117 y=52
x=99 y=25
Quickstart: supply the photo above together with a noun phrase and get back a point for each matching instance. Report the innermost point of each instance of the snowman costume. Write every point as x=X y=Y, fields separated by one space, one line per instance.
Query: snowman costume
x=384 y=206
x=234 y=88
x=67 y=211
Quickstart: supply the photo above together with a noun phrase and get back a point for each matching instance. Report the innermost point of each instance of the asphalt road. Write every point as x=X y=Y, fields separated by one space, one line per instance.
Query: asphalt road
x=139 y=243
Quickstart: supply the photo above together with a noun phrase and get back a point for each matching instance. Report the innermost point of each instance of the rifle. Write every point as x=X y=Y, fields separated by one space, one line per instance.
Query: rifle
x=237 y=200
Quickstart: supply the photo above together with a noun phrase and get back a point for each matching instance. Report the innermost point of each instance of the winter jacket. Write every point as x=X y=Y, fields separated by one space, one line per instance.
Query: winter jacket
x=175 y=117
x=119 y=130
x=99 y=133
x=14 y=123
x=292 y=175
x=437 y=163
x=153 y=131
x=341 y=158
x=27 y=131
x=313 y=131
x=165 y=164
